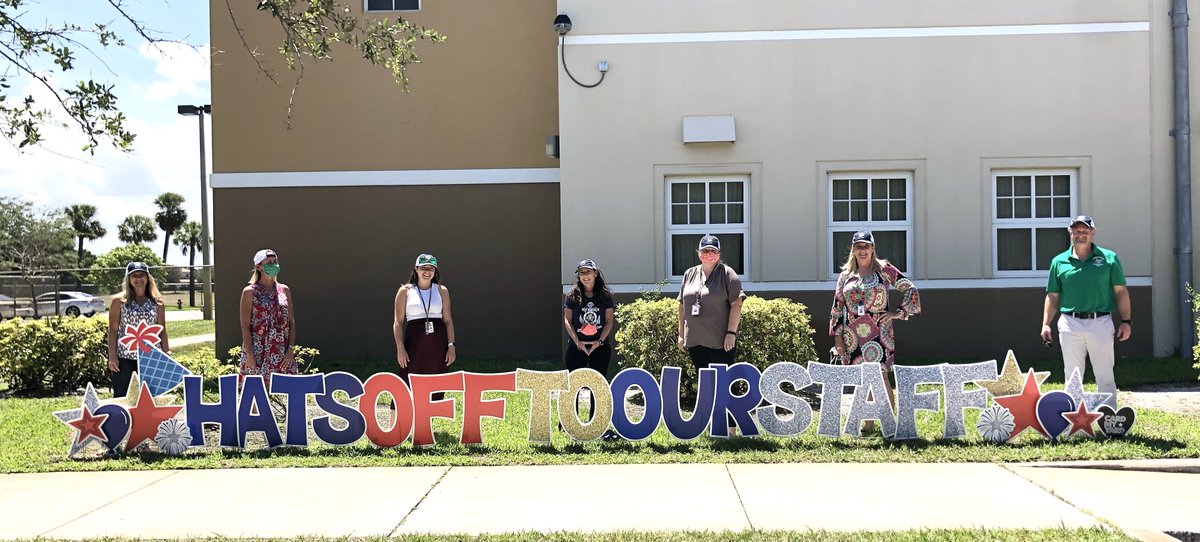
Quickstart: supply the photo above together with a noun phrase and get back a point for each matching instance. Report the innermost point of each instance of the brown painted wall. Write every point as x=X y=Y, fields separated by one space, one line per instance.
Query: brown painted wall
x=485 y=98
x=345 y=251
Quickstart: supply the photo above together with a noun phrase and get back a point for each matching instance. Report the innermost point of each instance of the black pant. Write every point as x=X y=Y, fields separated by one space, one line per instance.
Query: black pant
x=599 y=360
x=703 y=356
x=121 y=378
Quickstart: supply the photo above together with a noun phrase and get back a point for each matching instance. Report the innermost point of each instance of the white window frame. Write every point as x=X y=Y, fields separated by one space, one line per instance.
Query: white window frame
x=1031 y=223
x=701 y=229
x=883 y=225
x=367 y=10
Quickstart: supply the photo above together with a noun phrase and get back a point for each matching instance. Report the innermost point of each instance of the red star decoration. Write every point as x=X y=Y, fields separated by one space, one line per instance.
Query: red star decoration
x=1082 y=420
x=1024 y=407
x=89 y=425
x=145 y=418
x=143 y=336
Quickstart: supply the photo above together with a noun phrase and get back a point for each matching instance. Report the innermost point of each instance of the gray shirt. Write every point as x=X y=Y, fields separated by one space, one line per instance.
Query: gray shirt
x=716 y=293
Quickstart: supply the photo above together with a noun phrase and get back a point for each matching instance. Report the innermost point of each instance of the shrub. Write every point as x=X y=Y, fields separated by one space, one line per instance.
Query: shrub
x=55 y=354
x=203 y=362
x=109 y=281
x=1195 y=307
x=304 y=358
x=770 y=332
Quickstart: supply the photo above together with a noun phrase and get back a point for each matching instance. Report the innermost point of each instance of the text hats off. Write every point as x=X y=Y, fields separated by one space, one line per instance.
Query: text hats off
x=264 y=254
x=709 y=241
x=863 y=237
x=1083 y=219
x=586 y=263
x=134 y=267
x=426 y=259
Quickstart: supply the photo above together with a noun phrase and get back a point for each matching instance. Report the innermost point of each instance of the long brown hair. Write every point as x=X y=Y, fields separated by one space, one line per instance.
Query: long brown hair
x=599 y=290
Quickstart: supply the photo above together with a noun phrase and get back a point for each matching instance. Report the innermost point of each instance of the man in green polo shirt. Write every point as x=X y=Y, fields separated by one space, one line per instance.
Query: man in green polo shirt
x=1087 y=285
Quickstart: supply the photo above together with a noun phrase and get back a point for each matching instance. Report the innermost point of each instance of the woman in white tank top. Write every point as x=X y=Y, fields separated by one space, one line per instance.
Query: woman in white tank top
x=423 y=329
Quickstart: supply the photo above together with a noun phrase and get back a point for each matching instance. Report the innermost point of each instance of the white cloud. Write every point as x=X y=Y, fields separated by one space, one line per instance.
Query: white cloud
x=181 y=69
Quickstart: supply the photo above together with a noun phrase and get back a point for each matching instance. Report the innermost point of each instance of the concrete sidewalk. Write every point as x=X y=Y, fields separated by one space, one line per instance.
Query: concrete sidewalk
x=1137 y=496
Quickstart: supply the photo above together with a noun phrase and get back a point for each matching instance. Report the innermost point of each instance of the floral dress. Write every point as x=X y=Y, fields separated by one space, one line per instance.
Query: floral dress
x=858 y=314
x=270 y=326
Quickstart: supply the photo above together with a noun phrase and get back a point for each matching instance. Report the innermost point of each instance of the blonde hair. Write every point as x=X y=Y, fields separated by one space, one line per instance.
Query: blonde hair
x=128 y=295
x=254 y=276
x=851 y=264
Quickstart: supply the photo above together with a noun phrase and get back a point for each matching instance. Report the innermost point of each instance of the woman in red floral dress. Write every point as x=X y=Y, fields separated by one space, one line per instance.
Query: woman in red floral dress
x=268 y=320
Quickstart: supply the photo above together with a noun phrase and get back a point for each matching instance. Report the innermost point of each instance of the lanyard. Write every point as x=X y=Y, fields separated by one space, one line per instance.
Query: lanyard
x=423 y=303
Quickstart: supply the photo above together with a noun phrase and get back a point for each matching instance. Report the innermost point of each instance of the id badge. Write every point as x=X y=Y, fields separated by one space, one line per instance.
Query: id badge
x=861 y=310
x=429 y=327
x=696 y=309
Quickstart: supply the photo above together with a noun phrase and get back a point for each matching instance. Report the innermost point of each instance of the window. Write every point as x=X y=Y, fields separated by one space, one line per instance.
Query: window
x=880 y=202
x=393 y=5
x=696 y=206
x=1030 y=218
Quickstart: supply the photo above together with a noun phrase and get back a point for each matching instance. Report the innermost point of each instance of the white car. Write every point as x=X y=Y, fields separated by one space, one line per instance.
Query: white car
x=69 y=304
x=8 y=309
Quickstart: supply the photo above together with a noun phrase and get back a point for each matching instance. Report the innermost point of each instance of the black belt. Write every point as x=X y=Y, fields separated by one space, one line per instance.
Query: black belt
x=1088 y=315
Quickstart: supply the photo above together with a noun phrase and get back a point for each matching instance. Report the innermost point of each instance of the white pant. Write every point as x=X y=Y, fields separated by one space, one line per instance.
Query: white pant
x=1081 y=338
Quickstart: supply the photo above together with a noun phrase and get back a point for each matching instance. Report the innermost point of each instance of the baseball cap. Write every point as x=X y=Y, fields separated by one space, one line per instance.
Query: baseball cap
x=709 y=241
x=263 y=254
x=1083 y=219
x=863 y=236
x=134 y=267
x=426 y=259
x=586 y=263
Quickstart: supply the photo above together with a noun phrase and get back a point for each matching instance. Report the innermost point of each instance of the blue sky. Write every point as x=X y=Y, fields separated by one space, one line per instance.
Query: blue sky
x=150 y=83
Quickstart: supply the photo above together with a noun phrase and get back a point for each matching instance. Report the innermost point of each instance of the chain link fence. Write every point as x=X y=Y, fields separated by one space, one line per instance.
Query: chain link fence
x=56 y=291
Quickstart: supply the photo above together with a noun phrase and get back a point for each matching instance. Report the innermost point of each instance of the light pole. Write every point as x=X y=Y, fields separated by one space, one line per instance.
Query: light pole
x=206 y=277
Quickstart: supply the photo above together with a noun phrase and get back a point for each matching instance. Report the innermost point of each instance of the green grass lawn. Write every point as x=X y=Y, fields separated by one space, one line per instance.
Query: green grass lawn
x=1096 y=534
x=189 y=328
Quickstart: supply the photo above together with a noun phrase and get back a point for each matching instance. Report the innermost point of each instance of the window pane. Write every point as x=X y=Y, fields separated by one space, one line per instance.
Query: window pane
x=898 y=211
x=1004 y=186
x=1062 y=185
x=1062 y=207
x=841 y=189
x=1021 y=185
x=841 y=211
x=408 y=4
x=679 y=214
x=1022 y=208
x=858 y=210
x=1013 y=250
x=879 y=189
x=1041 y=185
x=732 y=250
x=379 y=5
x=879 y=210
x=733 y=192
x=696 y=192
x=679 y=193
x=683 y=252
x=1050 y=243
x=1043 y=207
x=892 y=246
x=735 y=211
x=858 y=188
x=716 y=192
x=841 y=249
x=1004 y=208
x=697 y=214
x=897 y=189
x=716 y=213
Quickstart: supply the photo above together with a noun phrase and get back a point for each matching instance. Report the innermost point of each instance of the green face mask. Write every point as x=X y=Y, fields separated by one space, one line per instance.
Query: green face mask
x=271 y=269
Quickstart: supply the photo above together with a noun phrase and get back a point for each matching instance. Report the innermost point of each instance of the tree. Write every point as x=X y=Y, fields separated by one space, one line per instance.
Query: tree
x=170 y=217
x=83 y=221
x=136 y=229
x=45 y=52
x=33 y=242
x=109 y=269
x=188 y=241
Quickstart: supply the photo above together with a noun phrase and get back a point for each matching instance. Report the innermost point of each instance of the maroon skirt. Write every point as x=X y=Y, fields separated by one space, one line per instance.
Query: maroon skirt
x=426 y=351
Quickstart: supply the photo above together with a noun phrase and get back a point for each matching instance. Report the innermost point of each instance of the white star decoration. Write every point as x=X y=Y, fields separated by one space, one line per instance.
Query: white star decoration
x=91 y=402
x=1074 y=388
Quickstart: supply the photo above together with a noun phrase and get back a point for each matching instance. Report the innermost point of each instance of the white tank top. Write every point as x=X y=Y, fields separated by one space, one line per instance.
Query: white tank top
x=418 y=300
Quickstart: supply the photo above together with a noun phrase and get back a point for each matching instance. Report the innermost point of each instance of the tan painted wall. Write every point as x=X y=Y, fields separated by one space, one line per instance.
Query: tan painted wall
x=486 y=98
x=345 y=251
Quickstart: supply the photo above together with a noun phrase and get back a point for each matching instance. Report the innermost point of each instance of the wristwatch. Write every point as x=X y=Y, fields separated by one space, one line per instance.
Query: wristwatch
x=451 y=343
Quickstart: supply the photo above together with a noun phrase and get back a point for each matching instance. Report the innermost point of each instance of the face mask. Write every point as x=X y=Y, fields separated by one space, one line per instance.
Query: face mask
x=271 y=269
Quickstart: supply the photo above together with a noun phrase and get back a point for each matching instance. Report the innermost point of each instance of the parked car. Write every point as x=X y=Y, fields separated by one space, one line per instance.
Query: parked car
x=70 y=304
x=8 y=308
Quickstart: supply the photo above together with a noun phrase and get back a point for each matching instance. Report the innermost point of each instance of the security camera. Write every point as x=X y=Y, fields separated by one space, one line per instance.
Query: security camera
x=562 y=24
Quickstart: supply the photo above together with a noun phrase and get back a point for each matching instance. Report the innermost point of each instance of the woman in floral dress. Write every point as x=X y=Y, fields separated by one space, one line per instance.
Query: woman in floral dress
x=860 y=321
x=268 y=318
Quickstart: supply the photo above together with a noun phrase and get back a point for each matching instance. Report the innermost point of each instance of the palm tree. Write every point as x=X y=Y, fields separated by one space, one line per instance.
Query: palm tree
x=136 y=229
x=170 y=216
x=189 y=240
x=83 y=221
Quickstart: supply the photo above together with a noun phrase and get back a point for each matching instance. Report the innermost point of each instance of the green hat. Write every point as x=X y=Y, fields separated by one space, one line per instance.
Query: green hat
x=426 y=259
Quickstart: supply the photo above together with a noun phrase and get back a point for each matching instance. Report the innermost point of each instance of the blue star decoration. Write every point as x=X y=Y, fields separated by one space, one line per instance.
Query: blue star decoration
x=1074 y=388
x=159 y=371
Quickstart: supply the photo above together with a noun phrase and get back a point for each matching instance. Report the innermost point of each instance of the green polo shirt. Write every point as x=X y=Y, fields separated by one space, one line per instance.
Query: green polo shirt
x=1086 y=285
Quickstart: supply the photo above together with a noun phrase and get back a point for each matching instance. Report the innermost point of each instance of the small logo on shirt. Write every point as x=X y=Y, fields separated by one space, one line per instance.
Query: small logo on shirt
x=1098 y=261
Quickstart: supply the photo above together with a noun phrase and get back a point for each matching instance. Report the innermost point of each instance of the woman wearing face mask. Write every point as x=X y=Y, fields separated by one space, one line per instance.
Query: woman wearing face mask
x=588 y=318
x=139 y=303
x=423 y=328
x=860 y=321
x=268 y=317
